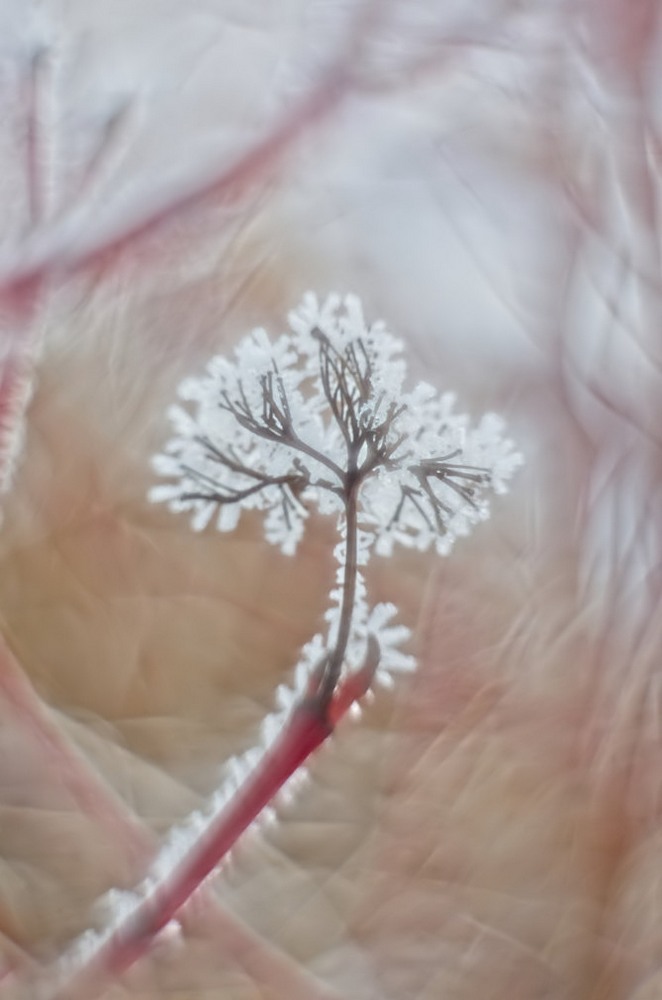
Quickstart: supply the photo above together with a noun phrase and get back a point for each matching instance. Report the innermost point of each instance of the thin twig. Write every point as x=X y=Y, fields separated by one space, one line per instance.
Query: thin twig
x=337 y=655
x=272 y=431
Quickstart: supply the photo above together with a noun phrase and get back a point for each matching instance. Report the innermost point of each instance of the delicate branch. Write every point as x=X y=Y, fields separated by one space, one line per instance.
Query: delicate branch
x=334 y=663
x=235 y=496
x=274 y=428
x=358 y=442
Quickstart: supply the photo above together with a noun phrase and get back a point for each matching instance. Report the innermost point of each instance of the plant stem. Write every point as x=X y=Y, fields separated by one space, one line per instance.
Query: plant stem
x=264 y=963
x=304 y=733
x=335 y=660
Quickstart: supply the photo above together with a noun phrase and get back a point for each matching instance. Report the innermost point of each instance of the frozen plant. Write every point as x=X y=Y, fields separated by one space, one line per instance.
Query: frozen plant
x=319 y=417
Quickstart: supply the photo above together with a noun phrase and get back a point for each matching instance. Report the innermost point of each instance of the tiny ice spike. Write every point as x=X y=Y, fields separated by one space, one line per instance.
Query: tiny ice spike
x=318 y=412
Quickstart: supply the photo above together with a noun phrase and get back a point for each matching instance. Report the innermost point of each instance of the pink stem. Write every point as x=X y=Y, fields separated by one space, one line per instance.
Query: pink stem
x=304 y=733
x=100 y=802
x=306 y=730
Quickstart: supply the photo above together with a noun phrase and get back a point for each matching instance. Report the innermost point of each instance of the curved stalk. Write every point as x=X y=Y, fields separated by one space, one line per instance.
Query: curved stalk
x=82 y=977
x=334 y=662
x=133 y=937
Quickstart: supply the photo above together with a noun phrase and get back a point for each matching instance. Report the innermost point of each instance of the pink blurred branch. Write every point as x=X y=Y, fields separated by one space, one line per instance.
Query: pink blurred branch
x=56 y=252
x=93 y=796
x=305 y=732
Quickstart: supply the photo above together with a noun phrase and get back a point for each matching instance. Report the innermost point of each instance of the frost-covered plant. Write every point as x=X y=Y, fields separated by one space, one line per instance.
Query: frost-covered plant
x=318 y=418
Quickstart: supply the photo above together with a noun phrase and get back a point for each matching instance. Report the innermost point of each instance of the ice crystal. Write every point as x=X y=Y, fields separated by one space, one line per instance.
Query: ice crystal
x=291 y=423
x=321 y=417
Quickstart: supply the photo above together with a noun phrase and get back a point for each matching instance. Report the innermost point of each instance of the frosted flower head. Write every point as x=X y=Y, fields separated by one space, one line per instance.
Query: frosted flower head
x=318 y=414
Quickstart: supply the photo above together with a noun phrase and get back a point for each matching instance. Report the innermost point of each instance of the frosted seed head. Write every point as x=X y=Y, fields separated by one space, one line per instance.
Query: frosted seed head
x=277 y=426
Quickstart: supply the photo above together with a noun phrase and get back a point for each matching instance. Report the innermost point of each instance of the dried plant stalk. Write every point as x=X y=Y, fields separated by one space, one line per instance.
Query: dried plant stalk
x=318 y=416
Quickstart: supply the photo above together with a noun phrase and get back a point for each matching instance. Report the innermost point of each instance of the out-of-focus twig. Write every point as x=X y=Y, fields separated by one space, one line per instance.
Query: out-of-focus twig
x=93 y=796
x=57 y=251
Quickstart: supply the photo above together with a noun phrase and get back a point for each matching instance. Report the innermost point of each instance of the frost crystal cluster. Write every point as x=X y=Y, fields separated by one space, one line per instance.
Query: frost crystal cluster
x=290 y=423
x=321 y=417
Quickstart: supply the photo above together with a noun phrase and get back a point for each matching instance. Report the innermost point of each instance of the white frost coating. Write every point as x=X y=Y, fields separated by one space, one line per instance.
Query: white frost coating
x=254 y=427
x=276 y=427
x=118 y=906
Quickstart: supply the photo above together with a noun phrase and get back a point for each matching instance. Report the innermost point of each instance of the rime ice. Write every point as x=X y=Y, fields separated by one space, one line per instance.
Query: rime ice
x=283 y=426
x=320 y=417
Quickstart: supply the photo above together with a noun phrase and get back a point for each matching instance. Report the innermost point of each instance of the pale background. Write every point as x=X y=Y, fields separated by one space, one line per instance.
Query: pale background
x=486 y=176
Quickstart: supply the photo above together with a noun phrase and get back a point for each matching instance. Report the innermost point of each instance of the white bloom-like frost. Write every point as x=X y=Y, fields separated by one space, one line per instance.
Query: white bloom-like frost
x=321 y=417
x=277 y=426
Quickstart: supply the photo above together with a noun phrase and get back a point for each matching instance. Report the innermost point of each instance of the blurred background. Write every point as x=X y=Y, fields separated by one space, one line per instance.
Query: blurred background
x=485 y=174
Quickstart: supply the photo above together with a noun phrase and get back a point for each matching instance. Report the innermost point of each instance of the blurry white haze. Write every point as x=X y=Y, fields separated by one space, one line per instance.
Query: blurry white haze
x=485 y=175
